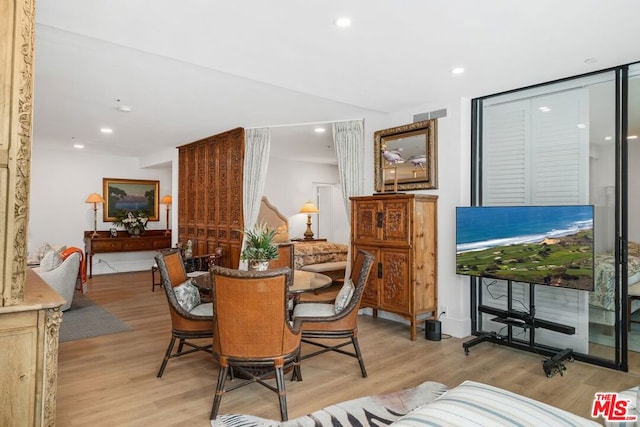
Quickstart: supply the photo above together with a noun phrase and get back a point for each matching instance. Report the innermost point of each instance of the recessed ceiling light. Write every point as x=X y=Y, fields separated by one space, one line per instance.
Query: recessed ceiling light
x=544 y=109
x=590 y=61
x=78 y=146
x=106 y=130
x=342 y=22
x=581 y=125
x=632 y=137
x=124 y=108
x=319 y=130
x=607 y=138
x=457 y=70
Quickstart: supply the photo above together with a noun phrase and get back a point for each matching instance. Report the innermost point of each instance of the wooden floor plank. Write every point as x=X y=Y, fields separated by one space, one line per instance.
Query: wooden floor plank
x=111 y=380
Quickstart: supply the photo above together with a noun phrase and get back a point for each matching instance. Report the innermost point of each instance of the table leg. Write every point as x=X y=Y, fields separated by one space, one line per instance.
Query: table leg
x=88 y=260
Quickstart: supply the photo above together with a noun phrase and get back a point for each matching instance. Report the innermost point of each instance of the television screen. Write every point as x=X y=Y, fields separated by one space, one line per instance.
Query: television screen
x=548 y=245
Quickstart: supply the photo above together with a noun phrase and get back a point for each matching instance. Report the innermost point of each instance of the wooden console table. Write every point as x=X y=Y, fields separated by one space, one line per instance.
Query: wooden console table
x=151 y=240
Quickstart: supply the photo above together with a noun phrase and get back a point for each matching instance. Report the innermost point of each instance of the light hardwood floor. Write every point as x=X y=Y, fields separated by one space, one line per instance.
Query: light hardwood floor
x=111 y=380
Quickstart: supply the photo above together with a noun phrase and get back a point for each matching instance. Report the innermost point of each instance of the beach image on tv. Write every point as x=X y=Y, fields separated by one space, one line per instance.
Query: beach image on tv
x=549 y=245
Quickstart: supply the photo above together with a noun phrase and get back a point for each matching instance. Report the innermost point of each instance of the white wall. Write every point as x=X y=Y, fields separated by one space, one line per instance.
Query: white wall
x=58 y=214
x=454 y=189
x=290 y=184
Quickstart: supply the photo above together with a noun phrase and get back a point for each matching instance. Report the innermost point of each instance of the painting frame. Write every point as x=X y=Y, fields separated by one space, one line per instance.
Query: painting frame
x=406 y=172
x=141 y=194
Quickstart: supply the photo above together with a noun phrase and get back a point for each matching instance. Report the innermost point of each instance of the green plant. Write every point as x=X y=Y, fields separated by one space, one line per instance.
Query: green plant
x=260 y=246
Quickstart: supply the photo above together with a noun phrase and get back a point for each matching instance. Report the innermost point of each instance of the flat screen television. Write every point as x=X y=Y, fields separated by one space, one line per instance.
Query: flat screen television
x=547 y=245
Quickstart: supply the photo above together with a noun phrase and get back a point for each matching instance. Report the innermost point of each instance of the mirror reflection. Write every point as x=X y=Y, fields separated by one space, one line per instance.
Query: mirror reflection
x=405 y=157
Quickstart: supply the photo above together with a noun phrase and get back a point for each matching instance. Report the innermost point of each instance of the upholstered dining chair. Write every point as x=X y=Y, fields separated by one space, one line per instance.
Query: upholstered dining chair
x=190 y=319
x=252 y=333
x=338 y=318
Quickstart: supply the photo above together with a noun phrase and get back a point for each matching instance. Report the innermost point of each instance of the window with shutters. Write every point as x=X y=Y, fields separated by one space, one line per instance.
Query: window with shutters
x=536 y=150
x=546 y=146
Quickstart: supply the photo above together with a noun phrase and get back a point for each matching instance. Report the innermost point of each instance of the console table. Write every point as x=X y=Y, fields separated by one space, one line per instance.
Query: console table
x=151 y=240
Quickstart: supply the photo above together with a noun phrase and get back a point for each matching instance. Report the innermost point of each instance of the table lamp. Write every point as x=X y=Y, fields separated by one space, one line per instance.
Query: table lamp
x=167 y=200
x=95 y=198
x=309 y=208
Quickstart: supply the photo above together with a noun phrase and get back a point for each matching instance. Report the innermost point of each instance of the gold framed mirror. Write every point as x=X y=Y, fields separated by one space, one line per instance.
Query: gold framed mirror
x=406 y=157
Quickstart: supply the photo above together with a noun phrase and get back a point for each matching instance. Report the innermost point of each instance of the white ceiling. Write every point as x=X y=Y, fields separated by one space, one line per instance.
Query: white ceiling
x=195 y=68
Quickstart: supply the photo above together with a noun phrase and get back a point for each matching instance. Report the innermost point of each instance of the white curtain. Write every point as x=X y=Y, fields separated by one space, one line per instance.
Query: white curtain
x=348 y=138
x=257 y=144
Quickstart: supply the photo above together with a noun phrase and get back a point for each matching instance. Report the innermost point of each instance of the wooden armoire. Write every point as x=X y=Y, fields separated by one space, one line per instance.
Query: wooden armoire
x=210 y=195
x=400 y=230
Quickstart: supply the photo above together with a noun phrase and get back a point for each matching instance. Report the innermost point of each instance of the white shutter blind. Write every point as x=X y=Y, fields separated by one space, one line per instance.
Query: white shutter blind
x=560 y=150
x=504 y=160
x=535 y=157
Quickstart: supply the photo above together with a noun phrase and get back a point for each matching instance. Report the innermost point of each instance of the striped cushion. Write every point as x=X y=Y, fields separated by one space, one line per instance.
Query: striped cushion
x=472 y=403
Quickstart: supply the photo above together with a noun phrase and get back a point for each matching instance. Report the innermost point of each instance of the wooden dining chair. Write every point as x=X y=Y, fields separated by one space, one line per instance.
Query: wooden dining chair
x=252 y=334
x=337 y=318
x=190 y=319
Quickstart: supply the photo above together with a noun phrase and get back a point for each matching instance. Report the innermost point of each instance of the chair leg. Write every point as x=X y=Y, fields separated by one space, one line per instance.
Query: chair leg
x=354 y=340
x=167 y=355
x=222 y=377
x=297 y=370
x=153 y=279
x=181 y=345
x=296 y=374
x=282 y=394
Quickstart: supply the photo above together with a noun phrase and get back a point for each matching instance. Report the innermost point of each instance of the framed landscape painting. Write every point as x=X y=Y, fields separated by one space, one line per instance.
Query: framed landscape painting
x=129 y=195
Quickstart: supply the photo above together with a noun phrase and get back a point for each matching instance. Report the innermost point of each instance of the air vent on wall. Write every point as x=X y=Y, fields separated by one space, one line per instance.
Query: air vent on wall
x=436 y=114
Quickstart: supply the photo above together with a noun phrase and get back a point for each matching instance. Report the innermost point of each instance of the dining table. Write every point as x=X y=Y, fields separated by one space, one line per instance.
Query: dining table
x=303 y=281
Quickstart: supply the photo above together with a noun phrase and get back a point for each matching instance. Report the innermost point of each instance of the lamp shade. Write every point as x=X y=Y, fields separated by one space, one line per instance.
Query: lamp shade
x=94 y=198
x=309 y=207
x=166 y=200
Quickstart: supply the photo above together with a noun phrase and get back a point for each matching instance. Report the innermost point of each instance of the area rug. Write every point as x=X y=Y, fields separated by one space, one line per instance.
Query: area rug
x=376 y=410
x=86 y=319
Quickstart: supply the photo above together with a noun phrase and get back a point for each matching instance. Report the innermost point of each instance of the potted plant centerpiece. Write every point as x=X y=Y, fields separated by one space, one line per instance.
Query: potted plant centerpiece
x=260 y=248
x=135 y=221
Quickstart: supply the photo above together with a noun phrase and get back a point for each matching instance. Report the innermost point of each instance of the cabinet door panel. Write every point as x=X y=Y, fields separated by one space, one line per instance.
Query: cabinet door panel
x=396 y=225
x=365 y=221
x=396 y=280
x=18 y=375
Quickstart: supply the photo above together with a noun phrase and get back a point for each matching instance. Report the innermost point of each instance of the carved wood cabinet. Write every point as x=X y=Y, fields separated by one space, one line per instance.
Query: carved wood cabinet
x=401 y=231
x=29 y=309
x=210 y=194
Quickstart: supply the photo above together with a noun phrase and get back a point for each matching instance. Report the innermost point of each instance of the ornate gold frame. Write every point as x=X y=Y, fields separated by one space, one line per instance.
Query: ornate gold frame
x=108 y=215
x=423 y=175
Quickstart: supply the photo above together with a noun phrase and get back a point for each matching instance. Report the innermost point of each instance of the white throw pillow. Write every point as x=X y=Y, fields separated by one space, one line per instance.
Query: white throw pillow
x=187 y=295
x=344 y=296
x=50 y=261
x=42 y=251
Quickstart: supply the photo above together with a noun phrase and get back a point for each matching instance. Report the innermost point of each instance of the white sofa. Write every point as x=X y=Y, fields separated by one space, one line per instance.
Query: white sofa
x=63 y=278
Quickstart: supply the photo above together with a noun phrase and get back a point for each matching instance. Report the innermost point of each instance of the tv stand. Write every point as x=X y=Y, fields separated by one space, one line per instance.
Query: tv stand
x=554 y=364
x=522 y=320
